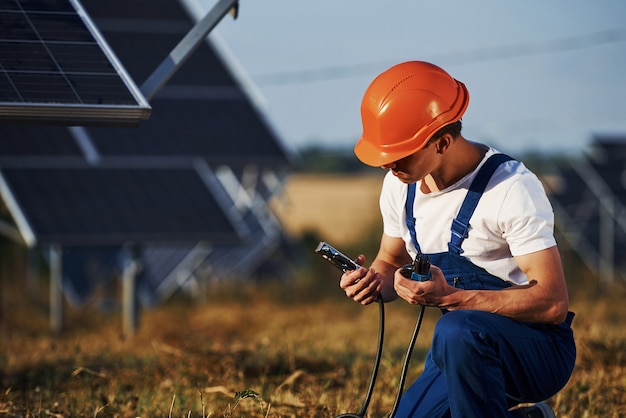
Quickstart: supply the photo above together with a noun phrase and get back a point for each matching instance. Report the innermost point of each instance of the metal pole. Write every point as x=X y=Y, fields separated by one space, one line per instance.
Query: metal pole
x=56 y=295
x=607 y=243
x=129 y=298
x=179 y=55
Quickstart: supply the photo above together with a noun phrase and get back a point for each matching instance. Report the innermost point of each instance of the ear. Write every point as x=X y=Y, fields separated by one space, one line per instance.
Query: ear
x=443 y=143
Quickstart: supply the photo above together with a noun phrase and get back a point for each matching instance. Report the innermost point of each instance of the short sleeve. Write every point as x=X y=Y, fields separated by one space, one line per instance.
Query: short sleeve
x=526 y=216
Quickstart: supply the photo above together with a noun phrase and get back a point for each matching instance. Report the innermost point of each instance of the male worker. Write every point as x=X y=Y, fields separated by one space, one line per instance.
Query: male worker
x=504 y=337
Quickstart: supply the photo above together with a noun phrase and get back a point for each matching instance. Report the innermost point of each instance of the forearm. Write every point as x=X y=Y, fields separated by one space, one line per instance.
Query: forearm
x=528 y=303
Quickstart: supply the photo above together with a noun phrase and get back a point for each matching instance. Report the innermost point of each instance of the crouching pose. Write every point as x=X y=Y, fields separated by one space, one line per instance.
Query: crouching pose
x=486 y=223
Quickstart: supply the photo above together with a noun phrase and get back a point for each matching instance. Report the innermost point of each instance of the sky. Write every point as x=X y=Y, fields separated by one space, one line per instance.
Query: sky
x=543 y=75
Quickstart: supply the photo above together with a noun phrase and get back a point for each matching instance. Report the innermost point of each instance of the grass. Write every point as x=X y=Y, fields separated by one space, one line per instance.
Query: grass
x=273 y=350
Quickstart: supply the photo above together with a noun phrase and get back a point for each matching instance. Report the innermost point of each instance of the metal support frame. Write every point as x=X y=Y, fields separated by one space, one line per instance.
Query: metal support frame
x=56 y=293
x=130 y=307
x=179 y=55
x=244 y=195
x=184 y=272
x=607 y=242
x=608 y=210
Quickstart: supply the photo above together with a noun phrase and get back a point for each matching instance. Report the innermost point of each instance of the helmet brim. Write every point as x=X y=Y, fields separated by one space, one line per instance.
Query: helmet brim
x=390 y=101
x=375 y=156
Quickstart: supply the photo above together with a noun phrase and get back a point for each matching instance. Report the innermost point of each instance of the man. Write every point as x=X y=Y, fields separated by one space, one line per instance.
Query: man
x=496 y=273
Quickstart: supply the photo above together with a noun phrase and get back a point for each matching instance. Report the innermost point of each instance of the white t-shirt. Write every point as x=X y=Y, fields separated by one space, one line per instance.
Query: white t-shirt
x=513 y=217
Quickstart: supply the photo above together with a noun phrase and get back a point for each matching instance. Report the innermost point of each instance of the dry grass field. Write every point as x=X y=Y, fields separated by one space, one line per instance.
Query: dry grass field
x=277 y=350
x=338 y=208
x=295 y=348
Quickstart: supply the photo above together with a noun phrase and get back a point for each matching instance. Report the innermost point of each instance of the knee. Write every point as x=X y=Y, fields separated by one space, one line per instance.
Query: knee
x=459 y=332
x=452 y=326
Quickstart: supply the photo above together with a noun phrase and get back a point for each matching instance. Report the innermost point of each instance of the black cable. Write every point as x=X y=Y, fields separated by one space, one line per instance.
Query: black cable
x=407 y=360
x=405 y=366
x=379 y=352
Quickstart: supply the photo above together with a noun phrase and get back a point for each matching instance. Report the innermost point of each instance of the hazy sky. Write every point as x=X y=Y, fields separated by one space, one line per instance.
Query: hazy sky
x=542 y=74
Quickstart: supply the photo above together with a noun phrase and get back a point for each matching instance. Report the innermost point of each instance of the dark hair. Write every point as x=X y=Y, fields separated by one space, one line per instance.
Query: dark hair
x=454 y=129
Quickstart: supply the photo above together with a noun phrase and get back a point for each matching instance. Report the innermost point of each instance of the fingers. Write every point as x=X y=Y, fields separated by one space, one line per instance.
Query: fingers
x=365 y=294
x=404 y=289
x=426 y=293
x=362 y=285
x=352 y=277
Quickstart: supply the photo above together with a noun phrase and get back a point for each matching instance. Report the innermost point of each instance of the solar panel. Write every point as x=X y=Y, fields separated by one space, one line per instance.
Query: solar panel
x=41 y=141
x=204 y=106
x=112 y=206
x=56 y=68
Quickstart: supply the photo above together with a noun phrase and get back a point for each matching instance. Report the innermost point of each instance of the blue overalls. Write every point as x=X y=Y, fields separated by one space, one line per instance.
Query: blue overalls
x=480 y=363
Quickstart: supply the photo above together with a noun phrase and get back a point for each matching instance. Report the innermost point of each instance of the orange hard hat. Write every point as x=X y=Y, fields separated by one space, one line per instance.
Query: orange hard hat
x=403 y=107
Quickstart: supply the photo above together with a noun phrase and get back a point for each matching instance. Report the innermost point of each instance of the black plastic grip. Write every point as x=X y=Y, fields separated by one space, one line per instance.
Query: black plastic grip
x=340 y=260
x=419 y=270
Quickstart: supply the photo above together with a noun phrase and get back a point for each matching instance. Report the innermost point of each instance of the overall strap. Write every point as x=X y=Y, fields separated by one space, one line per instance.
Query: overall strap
x=410 y=219
x=461 y=223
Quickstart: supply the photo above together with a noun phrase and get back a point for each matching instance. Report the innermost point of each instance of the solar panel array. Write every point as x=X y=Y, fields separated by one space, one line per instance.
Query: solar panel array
x=55 y=68
x=581 y=202
x=102 y=187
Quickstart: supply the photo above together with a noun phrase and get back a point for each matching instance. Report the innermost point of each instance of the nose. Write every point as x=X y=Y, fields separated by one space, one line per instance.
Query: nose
x=388 y=165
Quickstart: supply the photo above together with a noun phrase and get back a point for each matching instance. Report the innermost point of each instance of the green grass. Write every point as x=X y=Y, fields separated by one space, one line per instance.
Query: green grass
x=293 y=349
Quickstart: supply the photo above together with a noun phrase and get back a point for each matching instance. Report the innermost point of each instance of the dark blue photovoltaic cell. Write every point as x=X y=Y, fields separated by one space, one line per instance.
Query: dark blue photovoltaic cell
x=95 y=206
x=41 y=141
x=52 y=68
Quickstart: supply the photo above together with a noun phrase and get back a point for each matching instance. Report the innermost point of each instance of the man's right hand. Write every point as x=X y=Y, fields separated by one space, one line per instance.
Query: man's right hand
x=362 y=285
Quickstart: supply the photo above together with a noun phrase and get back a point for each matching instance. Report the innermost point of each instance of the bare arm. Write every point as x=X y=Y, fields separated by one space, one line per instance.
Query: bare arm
x=364 y=285
x=544 y=299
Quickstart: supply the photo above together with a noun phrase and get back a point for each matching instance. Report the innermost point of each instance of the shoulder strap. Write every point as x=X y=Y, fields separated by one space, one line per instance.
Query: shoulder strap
x=461 y=223
x=410 y=219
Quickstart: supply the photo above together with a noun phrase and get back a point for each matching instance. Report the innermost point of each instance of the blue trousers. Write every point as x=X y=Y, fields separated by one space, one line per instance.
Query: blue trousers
x=480 y=364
